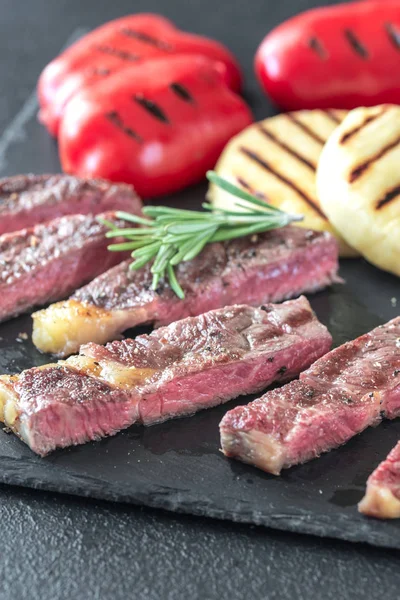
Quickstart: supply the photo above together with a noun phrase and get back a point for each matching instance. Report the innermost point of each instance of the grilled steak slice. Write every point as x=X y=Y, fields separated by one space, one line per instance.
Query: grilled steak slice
x=203 y=361
x=382 y=498
x=294 y=424
x=177 y=370
x=49 y=261
x=337 y=397
x=26 y=200
x=56 y=406
x=269 y=267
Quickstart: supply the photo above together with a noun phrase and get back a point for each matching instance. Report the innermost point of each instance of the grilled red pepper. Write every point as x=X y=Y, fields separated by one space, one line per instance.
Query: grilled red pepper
x=159 y=126
x=118 y=45
x=340 y=56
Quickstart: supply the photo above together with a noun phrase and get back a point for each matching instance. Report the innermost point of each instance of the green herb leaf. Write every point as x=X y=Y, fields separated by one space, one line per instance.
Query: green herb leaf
x=174 y=282
x=168 y=236
x=238 y=192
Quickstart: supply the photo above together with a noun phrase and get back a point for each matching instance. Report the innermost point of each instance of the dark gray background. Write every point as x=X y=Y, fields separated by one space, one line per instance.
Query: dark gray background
x=59 y=547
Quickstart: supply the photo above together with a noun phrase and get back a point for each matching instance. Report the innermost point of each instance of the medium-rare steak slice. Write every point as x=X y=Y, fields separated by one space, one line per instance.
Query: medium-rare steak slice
x=294 y=424
x=177 y=370
x=205 y=360
x=49 y=261
x=382 y=497
x=337 y=397
x=270 y=267
x=57 y=406
x=26 y=200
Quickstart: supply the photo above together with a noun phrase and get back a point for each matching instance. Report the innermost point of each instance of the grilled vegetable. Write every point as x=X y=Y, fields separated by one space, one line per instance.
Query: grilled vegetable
x=343 y=56
x=358 y=183
x=115 y=46
x=160 y=127
x=276 y=160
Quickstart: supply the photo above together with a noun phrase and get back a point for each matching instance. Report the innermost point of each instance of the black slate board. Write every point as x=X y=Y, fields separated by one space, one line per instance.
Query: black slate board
x=177 y=465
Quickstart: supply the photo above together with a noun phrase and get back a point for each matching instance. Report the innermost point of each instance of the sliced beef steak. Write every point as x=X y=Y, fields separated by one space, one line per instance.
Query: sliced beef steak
x=57 y=403
x=177 y=370
x=269 y=267
x=49 y=261
x=26 y=200
x=382 y=498
x=337 y=397
x=294 y=424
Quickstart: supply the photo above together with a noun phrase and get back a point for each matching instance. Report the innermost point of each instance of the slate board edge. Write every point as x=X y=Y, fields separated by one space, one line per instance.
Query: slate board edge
x=183 y=502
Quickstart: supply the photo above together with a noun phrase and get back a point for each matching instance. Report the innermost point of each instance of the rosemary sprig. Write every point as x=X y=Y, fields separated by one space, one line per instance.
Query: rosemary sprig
x=168 y=236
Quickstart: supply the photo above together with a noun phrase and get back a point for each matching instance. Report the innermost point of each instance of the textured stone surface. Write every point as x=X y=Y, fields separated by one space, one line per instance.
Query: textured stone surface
x=94 y=550
x=177 y=465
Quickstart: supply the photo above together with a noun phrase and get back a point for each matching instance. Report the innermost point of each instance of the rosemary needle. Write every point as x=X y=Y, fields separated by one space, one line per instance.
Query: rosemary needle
x=167 y=236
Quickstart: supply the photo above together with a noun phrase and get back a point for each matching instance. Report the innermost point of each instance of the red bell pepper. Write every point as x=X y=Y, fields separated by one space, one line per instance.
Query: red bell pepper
x=118 y=45
x=340 y=56
x=159 y=125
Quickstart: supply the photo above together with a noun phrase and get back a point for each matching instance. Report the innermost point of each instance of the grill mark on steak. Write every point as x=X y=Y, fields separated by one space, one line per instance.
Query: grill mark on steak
x=349 y=134
x=116 y=120
x=26 y=200
x=388 y=197
x=356 y=44
x=268 y=167
x=317 y=46
x=342 y=393
x=306 y=128
x=357 y=172
x=393 y=35
x=152 y=108
x=177 y=370
x=146 y=39
x=122 y=54
x=287 y=148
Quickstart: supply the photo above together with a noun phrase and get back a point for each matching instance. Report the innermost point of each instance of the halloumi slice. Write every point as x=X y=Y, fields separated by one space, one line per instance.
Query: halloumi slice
x=358 y=183
x=276 y=159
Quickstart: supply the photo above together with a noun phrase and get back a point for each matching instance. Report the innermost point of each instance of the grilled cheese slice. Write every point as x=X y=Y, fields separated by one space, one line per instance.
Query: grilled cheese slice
x=276 y=159
x=358 y=183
